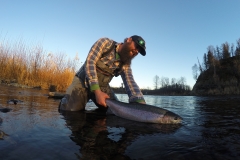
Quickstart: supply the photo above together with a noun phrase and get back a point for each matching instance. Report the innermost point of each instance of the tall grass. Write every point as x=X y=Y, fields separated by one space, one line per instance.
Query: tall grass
x=34 y=67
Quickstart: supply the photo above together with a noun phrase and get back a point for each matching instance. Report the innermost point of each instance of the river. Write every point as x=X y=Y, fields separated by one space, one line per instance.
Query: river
x=37 y=130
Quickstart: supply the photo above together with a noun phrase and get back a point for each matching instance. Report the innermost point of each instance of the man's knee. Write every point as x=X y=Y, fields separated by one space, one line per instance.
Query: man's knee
x=74 y=102
x=75 y=98
x=63 y=105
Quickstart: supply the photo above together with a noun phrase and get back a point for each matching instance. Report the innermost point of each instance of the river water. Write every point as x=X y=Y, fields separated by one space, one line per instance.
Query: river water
x=37 y=130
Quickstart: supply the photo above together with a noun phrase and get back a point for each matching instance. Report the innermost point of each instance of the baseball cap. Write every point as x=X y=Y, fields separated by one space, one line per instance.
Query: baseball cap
x=141 y=43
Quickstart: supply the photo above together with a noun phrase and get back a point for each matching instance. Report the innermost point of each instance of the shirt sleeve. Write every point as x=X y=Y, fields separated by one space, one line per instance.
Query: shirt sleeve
x=95 y=53
x=132 y=89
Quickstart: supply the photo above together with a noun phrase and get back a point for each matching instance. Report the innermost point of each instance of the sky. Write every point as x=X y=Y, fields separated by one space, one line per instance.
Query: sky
x=177 y=32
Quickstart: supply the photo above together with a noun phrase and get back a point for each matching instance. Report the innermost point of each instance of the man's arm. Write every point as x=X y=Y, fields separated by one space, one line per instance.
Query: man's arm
x=95 y=53
x=132 y=89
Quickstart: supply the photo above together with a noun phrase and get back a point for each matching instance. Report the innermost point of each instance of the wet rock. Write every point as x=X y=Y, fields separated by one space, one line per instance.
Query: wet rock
x=14 y=101
x=56 y=95
x=53 y=88
x=5 y=81
x=5 y=110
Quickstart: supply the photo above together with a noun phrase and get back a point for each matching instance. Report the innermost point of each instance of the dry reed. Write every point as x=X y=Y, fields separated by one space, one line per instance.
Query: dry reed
x=34 y=67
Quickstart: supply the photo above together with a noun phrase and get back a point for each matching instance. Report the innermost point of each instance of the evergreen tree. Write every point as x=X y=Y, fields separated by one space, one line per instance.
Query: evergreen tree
x=237 y=51
x=232 y=50
x=218 y=53
x=205 y=61
x=210 y=59
x=225 y=50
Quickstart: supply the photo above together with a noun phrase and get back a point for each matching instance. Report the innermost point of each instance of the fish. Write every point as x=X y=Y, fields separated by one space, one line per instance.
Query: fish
x=142 y=112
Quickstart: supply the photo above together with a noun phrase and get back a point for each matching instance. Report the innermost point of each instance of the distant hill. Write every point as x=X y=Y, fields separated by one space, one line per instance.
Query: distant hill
x=221 y=78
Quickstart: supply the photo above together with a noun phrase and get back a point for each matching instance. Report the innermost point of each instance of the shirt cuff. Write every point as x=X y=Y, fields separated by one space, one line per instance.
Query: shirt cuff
x=137 y=99
x=140 y=101
x=94 y=87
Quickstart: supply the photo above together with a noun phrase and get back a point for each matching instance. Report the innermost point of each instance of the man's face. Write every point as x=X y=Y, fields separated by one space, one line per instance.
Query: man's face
x=128 y=52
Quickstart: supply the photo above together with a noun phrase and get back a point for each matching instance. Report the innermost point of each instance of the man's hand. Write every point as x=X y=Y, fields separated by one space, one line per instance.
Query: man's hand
x=101 y=97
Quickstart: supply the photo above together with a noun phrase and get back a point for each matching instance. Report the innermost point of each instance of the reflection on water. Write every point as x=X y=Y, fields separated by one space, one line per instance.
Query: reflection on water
x=37 y=130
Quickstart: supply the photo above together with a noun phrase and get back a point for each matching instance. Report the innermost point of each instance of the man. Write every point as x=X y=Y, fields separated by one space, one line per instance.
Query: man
x=105 y=60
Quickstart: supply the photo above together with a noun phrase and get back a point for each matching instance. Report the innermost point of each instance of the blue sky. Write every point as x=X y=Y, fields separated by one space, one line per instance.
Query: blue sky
x=176 y=31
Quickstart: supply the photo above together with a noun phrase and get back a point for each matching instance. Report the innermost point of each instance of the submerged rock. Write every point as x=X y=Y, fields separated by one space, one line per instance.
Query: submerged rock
x=2 y=134
x=13 y=101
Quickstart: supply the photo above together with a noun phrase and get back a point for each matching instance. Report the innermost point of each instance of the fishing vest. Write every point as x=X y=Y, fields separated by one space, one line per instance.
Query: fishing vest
x=104 y=73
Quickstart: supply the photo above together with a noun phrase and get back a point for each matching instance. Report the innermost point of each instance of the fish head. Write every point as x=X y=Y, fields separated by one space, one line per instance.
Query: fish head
x=170 y=117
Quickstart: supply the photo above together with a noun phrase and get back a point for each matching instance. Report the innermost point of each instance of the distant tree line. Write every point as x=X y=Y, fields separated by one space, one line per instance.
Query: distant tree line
x=163 y=86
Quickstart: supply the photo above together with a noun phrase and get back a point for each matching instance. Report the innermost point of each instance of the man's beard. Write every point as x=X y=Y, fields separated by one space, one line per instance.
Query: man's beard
x=125 y=56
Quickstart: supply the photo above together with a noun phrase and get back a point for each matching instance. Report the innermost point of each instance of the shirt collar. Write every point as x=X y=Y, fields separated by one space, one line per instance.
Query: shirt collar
x=117 y=57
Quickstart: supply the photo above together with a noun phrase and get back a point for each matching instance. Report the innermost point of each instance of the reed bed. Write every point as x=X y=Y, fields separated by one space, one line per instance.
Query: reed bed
x=35 y=67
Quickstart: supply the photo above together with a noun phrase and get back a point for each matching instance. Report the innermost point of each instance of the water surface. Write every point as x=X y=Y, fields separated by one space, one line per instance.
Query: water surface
x=37 y=130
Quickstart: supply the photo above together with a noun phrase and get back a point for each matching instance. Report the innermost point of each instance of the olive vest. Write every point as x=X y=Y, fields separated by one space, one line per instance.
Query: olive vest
x=104 y=73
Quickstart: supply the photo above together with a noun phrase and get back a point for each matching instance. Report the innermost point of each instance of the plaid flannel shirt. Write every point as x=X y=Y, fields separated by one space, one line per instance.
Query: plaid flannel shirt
x=112 y=60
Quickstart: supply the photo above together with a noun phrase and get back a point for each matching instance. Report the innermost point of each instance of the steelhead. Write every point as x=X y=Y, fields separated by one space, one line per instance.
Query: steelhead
x=142 y=112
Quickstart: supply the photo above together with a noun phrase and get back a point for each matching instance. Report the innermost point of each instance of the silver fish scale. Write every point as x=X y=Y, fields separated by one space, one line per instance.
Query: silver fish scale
x=139 y=106
x=139 y=115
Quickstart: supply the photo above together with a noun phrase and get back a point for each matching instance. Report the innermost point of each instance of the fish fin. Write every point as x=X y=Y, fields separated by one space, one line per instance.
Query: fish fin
x=109 y=111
